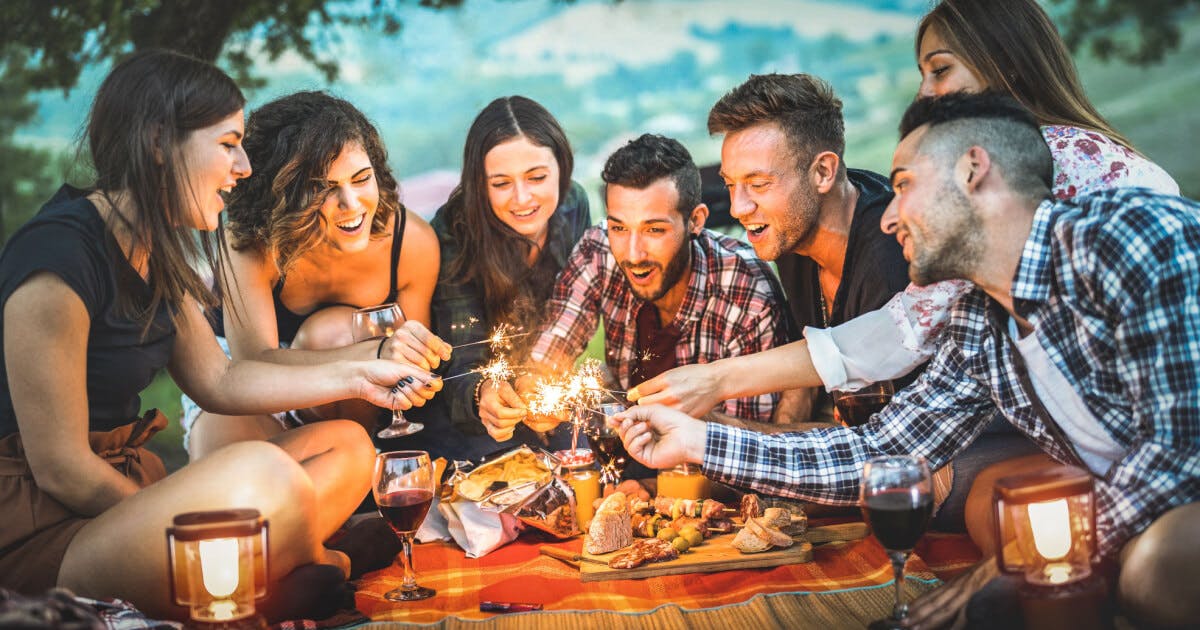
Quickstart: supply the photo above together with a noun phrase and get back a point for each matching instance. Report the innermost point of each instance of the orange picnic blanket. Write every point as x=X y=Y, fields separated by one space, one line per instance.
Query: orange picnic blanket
x=518 y=573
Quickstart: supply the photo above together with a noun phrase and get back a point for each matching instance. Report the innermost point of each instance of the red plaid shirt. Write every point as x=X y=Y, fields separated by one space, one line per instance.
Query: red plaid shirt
x=733 y=306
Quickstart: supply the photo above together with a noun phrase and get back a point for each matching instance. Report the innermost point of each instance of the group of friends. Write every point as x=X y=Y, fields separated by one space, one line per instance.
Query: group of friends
x=1028 y=279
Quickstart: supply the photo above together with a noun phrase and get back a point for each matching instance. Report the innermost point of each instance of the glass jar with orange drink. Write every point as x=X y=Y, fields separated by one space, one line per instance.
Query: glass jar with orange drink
x=580 y=472
x=684 y=481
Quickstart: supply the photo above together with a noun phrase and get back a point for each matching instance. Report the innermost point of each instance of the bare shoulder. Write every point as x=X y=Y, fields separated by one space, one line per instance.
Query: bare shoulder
x=420 y=244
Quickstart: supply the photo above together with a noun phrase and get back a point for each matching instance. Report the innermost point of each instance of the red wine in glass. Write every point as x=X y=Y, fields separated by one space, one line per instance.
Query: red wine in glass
x=403 y=486
x=896 y=495
x=405 y=510
x=898 y=517
x=856 y=410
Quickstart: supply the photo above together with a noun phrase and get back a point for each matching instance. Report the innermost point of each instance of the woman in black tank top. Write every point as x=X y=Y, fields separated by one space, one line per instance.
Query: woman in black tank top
x=314 y=233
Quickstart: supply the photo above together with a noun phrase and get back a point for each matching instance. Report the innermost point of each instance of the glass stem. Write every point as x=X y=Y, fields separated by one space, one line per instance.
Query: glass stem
x=410 y=579
x=899 y=558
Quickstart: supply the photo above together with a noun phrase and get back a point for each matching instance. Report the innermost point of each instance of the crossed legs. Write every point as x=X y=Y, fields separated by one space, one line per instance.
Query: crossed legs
x=122 y=552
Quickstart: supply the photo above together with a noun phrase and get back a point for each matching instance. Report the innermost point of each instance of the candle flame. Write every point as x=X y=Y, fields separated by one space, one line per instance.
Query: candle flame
x=1051 y=524
x=219 y=566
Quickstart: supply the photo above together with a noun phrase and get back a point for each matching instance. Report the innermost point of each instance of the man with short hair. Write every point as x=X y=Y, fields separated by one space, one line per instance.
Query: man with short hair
x=669 y=291
x=802 y=207
x=1083 y=331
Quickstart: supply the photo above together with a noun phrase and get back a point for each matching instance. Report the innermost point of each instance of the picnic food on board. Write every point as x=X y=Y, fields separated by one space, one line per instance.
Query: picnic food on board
x=611 y=528
x=760 y=534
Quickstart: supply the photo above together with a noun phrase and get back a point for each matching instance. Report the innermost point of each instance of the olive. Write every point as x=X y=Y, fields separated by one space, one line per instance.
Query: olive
x=681 y=544
x=667 y=533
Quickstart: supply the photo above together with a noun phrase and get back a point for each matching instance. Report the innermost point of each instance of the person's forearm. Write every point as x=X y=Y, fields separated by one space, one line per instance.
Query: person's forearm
x=775 y=370
x=761 y=427
x=361 y=351
x=254 y=387
x=85 y=483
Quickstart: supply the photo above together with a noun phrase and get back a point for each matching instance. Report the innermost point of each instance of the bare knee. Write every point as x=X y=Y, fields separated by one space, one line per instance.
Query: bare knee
x=978 y=513
x=1159 y=584
x=326 y=328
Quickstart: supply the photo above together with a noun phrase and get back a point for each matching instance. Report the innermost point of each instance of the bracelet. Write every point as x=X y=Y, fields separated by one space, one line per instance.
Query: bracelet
x=379 y=350
x=478 y=387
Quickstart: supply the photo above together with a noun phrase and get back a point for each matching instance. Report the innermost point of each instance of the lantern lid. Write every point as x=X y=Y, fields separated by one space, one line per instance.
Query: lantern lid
x=1044 y=485
x=233 y=523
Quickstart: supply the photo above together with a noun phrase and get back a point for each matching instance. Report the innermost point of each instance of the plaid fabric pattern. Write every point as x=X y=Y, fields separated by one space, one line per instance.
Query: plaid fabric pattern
x=1111 y=283
x=517 y=573
x=732 y=307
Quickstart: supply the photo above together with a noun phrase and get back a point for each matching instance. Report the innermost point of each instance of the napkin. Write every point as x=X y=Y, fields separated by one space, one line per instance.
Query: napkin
x=478 y=531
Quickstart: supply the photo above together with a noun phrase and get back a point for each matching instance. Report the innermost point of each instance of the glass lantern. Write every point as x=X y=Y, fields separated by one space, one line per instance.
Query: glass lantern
x=1045 y=525
x=218 y=564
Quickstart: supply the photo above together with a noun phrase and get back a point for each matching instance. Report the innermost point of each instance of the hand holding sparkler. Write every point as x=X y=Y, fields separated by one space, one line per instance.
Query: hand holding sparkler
x=414 y=344
x=500 y=408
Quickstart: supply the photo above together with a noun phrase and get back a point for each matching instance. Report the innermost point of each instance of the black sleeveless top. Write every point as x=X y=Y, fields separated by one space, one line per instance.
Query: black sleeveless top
x=69 y=239
x=288 y=323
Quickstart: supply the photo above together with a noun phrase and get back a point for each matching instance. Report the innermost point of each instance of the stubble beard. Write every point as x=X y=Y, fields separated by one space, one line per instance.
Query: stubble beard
x=952 y=251
x=671 y=275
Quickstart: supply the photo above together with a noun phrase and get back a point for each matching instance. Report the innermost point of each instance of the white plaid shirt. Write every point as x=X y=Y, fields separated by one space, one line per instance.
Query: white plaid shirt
x=1111 y=284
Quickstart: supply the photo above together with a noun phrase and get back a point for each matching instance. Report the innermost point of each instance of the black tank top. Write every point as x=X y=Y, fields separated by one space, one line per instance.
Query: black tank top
x=288 y=323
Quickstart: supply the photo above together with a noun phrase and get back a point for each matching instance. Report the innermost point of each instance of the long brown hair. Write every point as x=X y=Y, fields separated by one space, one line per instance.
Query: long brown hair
x=143 y=113
x=490 y=252
x=291 y=142
x=1013 y=46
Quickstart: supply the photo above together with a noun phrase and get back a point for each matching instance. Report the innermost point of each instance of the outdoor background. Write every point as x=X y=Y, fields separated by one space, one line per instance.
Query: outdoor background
x=610 y=71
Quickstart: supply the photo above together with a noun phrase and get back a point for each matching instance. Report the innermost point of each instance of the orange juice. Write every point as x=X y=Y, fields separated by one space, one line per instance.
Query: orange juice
x=579 y=471
x=684 y=481
x=585 y=482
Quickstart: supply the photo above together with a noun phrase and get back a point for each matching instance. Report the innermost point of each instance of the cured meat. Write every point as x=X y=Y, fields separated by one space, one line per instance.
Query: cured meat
x=750 y=507
x=643 y=551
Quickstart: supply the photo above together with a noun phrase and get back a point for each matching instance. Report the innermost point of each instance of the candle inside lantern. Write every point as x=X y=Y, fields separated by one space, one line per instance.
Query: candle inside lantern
x=218 y=563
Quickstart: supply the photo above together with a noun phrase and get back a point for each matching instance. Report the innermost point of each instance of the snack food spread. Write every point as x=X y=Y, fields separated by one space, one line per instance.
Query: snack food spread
x=521 y=467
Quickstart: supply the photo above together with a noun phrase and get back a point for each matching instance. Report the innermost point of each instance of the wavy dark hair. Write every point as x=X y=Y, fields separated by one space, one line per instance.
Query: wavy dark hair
x=144 y=111
x=292 y=141
x=649 y=158
x=490 y=252
x=803 y=106
x=1013 y=46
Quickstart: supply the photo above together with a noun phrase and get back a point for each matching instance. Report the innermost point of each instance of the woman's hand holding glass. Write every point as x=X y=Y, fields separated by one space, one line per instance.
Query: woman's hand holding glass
x=377 y=385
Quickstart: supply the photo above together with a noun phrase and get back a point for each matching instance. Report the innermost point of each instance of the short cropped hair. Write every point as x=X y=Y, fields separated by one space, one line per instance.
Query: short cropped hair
x=992 y=120
x=649 y=158
x=802 y=105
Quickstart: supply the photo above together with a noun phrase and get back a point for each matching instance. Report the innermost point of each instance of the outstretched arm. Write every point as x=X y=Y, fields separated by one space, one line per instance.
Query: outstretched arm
x=253 y=387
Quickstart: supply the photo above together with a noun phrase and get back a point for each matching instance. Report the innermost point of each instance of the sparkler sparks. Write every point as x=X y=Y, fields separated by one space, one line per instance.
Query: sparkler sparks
x=499 y=340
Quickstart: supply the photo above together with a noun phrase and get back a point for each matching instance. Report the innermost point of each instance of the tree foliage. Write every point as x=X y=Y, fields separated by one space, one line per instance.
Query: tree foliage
x=1137 y=31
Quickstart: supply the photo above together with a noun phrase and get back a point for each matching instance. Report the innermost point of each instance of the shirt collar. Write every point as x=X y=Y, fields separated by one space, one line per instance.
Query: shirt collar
x=1032 y=280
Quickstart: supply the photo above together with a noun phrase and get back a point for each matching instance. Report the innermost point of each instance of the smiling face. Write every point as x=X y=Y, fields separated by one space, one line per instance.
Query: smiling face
x=214 y=161
x=649 y=237
x=942 y=70
x=934 y=221
x=768 y=192
x=351 y=198
x=522 y=185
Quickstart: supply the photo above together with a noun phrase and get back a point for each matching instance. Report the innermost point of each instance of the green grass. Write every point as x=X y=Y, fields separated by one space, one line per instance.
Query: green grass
x=163 y=394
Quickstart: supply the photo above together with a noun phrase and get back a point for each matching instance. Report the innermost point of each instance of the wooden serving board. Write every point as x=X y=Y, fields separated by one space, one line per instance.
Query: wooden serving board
x=716 y=554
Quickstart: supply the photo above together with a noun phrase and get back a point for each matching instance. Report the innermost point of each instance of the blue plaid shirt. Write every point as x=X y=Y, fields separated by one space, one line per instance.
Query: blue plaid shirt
x=1111 y=283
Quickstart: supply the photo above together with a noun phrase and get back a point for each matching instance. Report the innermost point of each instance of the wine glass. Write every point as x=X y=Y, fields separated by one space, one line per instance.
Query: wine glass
x=377 y=322
x=856 y=407
x=403 y=486
x=897 y=502
x=606 y=442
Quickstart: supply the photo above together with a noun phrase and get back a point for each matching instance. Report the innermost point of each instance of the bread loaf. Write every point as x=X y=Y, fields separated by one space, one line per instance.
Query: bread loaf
x=611 y=528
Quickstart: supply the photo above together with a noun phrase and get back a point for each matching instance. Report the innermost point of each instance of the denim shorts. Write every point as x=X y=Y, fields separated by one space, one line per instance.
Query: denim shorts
x=1000 y=441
